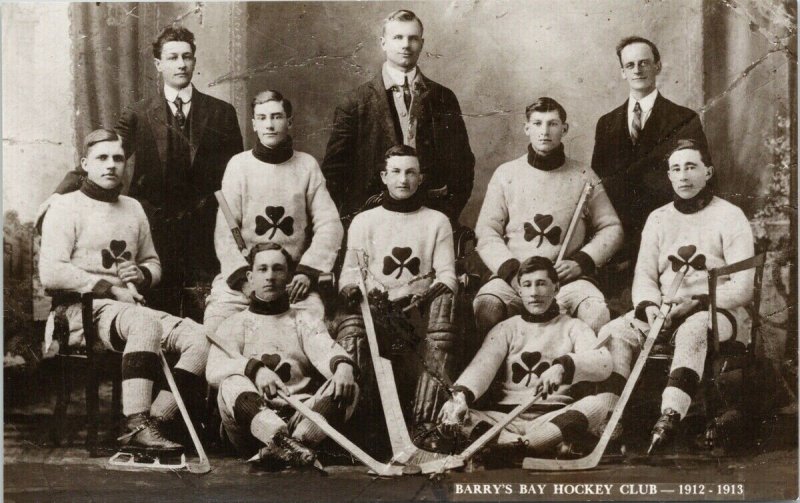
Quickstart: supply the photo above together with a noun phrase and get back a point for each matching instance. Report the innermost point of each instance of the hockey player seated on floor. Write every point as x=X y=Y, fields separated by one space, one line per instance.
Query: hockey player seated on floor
x=96 y=240
x=273 y=347
x=538 y=351
x=527 y=210
x=404 y=251
x=275 y=194
x=698 y=231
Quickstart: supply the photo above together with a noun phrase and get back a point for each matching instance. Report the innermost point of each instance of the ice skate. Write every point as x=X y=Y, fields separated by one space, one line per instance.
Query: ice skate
x=284 y=450
x=664 y=429
x=144 y=447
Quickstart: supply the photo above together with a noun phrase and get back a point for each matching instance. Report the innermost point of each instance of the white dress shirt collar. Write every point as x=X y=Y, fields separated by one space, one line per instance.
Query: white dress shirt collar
x=392 y=76
x=645 y=103
x=171 y=93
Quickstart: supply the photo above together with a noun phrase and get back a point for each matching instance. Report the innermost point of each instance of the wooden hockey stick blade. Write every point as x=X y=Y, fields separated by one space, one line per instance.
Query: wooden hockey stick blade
x=380 y=469
x=402 y=446
x=203 y=466
x=593 y=458
x=573 y=224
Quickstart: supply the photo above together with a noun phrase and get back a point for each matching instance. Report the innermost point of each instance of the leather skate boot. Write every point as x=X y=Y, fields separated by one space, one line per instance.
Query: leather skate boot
x=145 y=435
x=285 y=450
x=664 y=429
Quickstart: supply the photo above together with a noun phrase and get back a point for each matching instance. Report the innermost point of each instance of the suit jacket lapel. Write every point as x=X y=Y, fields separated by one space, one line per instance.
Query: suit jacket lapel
x=621 y=124
x=198 y=117
x=382 y=103
x=651 y=133
x=156 y=116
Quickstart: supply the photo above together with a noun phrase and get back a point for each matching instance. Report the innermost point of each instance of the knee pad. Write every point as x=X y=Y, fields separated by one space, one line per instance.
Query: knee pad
x=441 y=323
x=352 y=337
x=489 y=311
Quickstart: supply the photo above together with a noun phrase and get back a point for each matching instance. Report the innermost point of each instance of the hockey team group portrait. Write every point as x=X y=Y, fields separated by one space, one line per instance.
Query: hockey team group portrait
x=443 y=250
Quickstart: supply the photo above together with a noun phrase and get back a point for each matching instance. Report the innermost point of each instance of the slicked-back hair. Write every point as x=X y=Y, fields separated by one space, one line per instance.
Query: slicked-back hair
x=545 y=104
x=399 y=151
x=173 y=33
x=271 y=95
x=690 y=144
x=402 y=15
x=537 y=263
x=270 y=246
x=98 y=136
x=635 y=39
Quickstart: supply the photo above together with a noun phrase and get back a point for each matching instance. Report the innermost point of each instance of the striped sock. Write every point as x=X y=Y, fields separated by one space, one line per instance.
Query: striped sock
x=140 y=361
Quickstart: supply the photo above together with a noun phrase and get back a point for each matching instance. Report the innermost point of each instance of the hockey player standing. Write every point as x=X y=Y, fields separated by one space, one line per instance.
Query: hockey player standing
x=96 y=240
x=405 y=250
x=528 y=207
x=276 y=194
x=701 y=231
x=538 y=351
x=270 y=347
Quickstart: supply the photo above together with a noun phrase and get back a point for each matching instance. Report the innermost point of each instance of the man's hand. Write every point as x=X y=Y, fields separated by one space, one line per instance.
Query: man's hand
x=130 y=272
x=652 y=313
x=268 y=383
x=568 y=270
x=299 y=288
x=453 y=413
x=344 y=384
x=681 y=306
x=550 y=380
x=122 y=294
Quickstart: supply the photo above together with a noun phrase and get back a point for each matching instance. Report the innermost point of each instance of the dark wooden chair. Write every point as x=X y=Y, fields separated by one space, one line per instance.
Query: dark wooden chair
x=95 y=360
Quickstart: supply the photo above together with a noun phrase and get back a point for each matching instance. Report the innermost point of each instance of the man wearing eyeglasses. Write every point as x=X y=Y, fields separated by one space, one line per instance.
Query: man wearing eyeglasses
x=631 y=143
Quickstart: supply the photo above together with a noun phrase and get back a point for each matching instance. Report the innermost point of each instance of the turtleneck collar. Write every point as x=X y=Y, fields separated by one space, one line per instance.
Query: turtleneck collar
x=546 y=316
x=277 y=155
x=694 y=204
x=554 y=160
x=98 y=193
x=413 y=203
x=277 y=306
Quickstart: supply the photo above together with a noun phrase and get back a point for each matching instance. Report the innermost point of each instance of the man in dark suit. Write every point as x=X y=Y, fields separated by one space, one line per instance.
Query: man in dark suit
x=182 y=140
x=632 y=141
x=399 y=106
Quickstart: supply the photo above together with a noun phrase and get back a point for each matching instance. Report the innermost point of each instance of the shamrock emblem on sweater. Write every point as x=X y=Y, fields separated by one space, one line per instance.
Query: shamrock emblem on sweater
x=274 y=221
x=273 y=362
x=399 y=260
x=685 y=253
x=539 y=229
x=528 y=368
x=114 y=253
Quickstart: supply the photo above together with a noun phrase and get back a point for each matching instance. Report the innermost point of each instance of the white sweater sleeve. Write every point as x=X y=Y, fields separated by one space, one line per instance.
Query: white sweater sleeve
x=480 y=372
x=226 y=360
x=356 y=245
x=737 y=244
x=146 y=255
x=326 y=226
x=444 y=259
x=646 y=276
x=230 y=258
x=606 y=227
x=491 y=226
x=588 y=363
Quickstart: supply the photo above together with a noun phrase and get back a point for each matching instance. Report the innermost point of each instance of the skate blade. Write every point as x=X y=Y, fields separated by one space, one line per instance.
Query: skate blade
x=128 y=461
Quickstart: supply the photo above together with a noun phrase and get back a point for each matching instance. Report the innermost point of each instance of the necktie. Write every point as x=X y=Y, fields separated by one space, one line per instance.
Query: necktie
x=407 y=94
x=636 y=123
x=179 y=115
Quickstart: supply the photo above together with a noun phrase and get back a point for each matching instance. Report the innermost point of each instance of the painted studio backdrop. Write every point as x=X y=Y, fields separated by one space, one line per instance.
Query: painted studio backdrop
x=71 y=68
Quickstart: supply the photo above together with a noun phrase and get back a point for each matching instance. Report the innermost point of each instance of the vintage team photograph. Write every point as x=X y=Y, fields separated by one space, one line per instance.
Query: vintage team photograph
x=444 y=250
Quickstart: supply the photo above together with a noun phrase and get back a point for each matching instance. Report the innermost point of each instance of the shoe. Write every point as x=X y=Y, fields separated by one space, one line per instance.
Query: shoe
x=664 y=429
x=285 y=450
x=145 y=435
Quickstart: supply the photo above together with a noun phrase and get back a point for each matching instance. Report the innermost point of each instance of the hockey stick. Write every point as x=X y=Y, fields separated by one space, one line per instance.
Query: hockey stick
x=380 y=469
x=573 y=224
x=203 y=466
x=232 y=225
x=593 y=458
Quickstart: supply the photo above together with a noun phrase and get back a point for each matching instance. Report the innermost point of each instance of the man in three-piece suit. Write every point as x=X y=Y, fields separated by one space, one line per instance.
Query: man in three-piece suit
x=182 y=140
x=399 y=106
x=631 y=142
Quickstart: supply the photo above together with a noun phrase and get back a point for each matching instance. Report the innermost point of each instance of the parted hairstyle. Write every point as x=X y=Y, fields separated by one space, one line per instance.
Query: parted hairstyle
x=98 y=136
x=271 y=95
x=399 y=151
x=689 y=144
x=402 y=15
x=635 y=39
x=173 y=33
x=545 y=104
x=537 y=263
x=270 y=246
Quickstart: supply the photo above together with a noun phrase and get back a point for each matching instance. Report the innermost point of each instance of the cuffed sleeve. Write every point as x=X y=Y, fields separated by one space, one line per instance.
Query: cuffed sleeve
x=490 y=228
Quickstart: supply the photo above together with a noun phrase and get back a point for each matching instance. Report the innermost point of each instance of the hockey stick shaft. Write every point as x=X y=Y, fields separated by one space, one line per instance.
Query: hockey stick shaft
x=593 y=459
x=379 y=468
x=573 y=224
x=231 y=221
